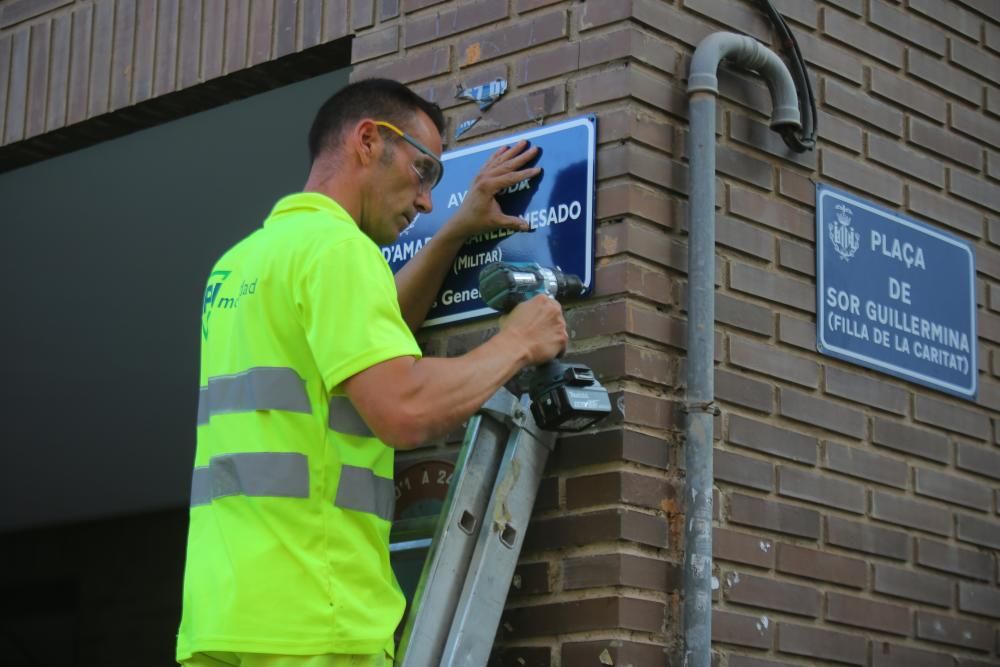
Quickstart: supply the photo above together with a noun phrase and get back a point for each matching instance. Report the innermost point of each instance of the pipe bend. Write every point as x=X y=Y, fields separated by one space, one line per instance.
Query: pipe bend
x=750 y=54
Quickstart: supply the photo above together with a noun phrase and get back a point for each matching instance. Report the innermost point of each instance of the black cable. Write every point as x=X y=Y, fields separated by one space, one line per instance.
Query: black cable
x=804 y=140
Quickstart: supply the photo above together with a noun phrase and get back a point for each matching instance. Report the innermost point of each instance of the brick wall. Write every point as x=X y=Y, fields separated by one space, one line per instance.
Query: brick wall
x=857 y=515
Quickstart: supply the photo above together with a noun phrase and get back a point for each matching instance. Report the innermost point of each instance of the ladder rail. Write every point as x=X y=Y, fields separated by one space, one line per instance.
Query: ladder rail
x=477 y=615
x=451 y=549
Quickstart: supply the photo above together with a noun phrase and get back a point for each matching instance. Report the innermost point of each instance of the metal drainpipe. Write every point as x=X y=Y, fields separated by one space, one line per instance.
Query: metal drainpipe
x=700 y=407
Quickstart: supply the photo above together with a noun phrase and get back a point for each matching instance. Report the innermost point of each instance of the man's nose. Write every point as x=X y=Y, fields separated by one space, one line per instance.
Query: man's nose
x=424 y=203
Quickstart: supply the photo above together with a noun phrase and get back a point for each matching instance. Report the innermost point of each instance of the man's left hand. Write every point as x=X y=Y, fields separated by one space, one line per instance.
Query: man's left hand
x=480 y=212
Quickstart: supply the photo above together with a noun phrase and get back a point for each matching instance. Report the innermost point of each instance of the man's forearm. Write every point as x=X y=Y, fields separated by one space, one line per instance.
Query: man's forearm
x=420 y=279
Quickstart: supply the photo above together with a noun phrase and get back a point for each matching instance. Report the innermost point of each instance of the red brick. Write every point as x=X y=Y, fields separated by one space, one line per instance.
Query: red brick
x=764 y=592
x=743 y=470
x=821 y=412
x=868 y=538
x=747 y=661
x=743 y=548
x=760 y=209
x=951 y=416
x=632 y=198
x=979 y=459
x=944 y=143
x=948 y=15
x=868 y=614
x=885 y=654
x=978 y=599
x=334 y=20
x=538 y=30
x=954 y=559
x=631 y=279
x=100 y=59
x=907 y=26
x=738 y=389
x=912 y=585
x=898 y=91
x=530 y=578
x=772 y=439
x=635 y=160
x=594 y=527
x=860 y=176
x=730 y=628
x=797 y=186
x=772 y=287
x=798 y=332
x=973 y=58
x=530 y=107
x=742 y=314
x=751 y=22
x=771 y=515
x=362 y=14
x=776 y=362
x=738 y=164
x=388 y=9
x=973 y=189
x=890 y=153
x=596 y=571
x=618 y=445
x=615 y=362
x=619 y=613
x=862 y=463
x=952 y=489
x=902 y=511
x=866 y=390
x=976 y=530
x=850 y=31
x=617 y=487
x=910 y=440
x=16 y=11
x=213 y=36
x=38 y=77
x=945 y=211
x=375 y=44
x=945 y=77
x=822 y=566
x=794 y=482
x=619 y=651
x=416 y=65
x=797 y=257
x=847 y=135
x=625 y=125
x=520 y=656
x=955 y=631
x=167 y=16
x=628 y=43
x=829 y=57
x=464 y=16
x=823 y=644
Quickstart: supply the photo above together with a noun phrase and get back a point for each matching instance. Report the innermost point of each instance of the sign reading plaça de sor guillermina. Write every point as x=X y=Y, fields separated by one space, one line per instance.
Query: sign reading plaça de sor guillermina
x=558 y=205
x=894 y=294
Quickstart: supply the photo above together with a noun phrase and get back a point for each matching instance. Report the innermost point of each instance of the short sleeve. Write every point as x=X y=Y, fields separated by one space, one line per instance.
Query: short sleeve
x=346 y=296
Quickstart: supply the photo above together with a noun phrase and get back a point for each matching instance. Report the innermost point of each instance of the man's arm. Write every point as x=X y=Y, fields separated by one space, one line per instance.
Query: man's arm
x=407 y=402
x=418 y=282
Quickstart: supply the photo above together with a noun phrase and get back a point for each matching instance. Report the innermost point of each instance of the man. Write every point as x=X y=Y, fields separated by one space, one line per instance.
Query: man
x=310 y=378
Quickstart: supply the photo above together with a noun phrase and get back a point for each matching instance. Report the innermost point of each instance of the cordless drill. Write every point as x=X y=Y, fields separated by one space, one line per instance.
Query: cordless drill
x=564 y=397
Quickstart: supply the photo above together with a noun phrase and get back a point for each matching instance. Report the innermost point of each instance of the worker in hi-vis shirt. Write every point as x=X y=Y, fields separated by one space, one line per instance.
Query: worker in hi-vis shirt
x=311 y=378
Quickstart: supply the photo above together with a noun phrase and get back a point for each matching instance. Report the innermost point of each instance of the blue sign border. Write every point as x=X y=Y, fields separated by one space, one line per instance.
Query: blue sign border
x=825 y=192
x=589 y=123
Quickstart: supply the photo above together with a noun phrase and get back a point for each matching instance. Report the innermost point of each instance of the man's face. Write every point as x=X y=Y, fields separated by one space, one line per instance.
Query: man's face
x=403 y=189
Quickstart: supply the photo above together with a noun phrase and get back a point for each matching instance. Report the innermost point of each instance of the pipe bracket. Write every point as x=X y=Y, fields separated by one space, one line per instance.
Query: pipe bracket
x=711 y=407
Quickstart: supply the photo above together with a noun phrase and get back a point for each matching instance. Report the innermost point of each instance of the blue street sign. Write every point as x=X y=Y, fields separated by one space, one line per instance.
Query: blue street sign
x=558 y=204
x=894 y=294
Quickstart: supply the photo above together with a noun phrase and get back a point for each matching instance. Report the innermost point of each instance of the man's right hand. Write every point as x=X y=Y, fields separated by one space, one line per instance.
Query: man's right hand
x=539 y=326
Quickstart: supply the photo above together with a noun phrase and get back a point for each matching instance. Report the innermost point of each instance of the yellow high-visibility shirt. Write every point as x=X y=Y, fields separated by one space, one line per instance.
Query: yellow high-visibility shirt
x=292 y=496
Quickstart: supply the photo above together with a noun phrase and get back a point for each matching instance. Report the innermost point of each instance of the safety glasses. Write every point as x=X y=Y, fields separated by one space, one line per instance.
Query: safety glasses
x=428 y=171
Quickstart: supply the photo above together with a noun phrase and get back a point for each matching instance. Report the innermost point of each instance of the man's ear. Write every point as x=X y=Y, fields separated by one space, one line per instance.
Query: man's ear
x=367 y=141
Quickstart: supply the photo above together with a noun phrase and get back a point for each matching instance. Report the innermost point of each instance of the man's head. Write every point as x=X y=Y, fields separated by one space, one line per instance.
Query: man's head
x=375 y=145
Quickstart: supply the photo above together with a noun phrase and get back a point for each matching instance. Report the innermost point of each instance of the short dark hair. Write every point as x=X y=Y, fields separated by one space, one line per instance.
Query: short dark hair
x=383 y=99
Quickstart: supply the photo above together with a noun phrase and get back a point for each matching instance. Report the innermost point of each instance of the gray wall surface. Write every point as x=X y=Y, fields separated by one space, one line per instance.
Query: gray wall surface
x=103 y=259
